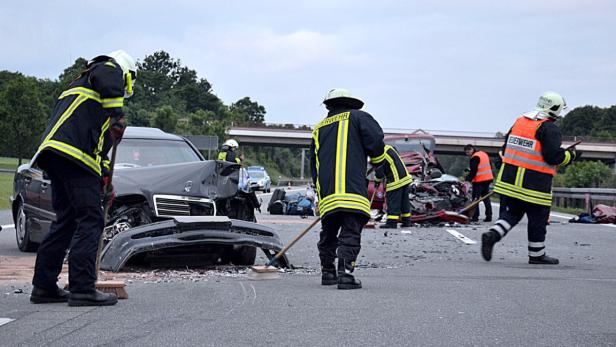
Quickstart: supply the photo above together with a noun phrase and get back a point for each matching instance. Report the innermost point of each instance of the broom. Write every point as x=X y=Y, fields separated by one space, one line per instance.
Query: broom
x=268 y=271
x=115 y=287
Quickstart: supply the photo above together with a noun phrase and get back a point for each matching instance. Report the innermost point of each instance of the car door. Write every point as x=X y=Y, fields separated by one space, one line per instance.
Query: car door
x=38 y=202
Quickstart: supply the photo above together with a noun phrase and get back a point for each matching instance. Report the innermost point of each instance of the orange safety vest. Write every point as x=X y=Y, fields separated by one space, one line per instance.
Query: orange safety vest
x=484 y=170
x=523 y=149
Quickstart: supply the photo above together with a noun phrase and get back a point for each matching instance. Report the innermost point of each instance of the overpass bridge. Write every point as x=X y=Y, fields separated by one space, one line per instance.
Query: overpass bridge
x=447 y=142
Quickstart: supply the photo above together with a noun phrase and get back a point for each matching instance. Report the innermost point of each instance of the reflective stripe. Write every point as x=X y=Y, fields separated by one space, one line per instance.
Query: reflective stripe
x=567 y=158
x=532 y=193
x=341 y=155
x=504 y=224
x=379 y=159
x=69 y=111
x=73 y=152
x=499 y=229
x=331 y=120
x=113 y=102
x=81 y=91
x=343 y=204
x=521 y=196
x=315 y=137
x=406 y=215
x=536 y=244
x=511 y=156
x=391 y=216
x=401 y=183
x=354 y=198
x=537 y=253
x=101 y=140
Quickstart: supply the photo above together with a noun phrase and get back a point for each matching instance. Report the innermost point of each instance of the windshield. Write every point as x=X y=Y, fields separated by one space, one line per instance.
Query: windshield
x=140 y=152
x=256 y=174
x=411 y=145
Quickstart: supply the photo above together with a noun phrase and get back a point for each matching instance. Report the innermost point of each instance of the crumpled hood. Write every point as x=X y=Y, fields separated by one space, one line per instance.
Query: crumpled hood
x=210 y=179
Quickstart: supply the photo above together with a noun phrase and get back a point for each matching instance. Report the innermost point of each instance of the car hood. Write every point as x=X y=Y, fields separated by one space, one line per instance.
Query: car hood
x=209 y=179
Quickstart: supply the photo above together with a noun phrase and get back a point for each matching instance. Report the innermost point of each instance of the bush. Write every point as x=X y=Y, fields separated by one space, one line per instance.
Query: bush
x=588 y=174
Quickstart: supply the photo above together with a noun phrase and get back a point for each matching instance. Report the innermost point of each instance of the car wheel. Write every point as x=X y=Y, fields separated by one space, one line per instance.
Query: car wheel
x=21 y=231
x=244 y=256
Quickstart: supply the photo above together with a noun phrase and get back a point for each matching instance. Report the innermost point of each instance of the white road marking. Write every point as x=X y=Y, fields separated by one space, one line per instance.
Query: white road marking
x=405 y=231
x=8 y=226
x=4 y=321
x=461 y=237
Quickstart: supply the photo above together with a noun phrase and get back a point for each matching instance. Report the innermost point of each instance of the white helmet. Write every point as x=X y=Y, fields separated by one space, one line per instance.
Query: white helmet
x=231 y=143
x=552 y=104
x=341 y=96
x=129 y=68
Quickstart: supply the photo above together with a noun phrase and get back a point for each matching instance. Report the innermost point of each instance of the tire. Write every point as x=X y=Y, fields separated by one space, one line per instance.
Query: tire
x=22 y=234
x=244 y=256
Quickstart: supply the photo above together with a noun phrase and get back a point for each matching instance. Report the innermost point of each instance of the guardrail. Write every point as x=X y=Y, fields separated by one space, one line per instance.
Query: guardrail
x=582 y=197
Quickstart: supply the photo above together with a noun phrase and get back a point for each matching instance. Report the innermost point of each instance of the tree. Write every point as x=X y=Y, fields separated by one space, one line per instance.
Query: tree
x=166 y=119
x=587 y=174
x=23 y=116
x=248 y=112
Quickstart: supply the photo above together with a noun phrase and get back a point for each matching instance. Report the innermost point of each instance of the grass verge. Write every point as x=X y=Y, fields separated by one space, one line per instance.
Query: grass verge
x=6 y=189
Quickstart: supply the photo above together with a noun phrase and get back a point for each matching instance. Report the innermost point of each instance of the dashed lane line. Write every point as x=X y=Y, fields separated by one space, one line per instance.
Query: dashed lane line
x=4 y=321
x=8 y=226
x=461 y=237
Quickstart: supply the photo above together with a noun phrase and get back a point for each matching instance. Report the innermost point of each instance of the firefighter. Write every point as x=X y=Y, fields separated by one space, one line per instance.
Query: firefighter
x=340 y=146
x=531 y=155
x=397 y=189
x=480 y=175
x=86 y=119
x=227 y=152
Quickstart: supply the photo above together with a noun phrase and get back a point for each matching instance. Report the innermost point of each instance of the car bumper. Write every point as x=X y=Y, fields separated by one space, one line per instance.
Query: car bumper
x=186 y=232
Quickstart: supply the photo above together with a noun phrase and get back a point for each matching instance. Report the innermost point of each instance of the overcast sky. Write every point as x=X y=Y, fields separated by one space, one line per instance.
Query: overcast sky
x=447 y=65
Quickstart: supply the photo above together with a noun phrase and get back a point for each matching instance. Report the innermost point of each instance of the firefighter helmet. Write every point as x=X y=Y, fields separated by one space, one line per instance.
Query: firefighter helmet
x=129 y=69
x=552 y=104
x=341 y=96
x=231 y=143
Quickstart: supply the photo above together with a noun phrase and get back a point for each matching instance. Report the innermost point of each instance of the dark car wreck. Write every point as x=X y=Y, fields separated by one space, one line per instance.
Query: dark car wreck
x=171 y=206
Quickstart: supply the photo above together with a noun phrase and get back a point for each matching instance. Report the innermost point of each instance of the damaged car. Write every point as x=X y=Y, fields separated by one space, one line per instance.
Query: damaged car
x=172 y=207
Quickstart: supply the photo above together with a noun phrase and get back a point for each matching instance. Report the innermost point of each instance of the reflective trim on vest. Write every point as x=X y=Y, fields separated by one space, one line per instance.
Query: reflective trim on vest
x=523 y=149
x=341 y=156
x=484 y=169
x=73 y=152
x=113 y=102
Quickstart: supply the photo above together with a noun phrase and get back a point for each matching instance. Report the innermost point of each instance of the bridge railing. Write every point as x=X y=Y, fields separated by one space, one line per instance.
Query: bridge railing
x=581 y=197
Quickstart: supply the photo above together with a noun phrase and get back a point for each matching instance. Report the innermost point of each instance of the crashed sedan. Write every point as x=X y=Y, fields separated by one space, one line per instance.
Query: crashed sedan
x=172 y=207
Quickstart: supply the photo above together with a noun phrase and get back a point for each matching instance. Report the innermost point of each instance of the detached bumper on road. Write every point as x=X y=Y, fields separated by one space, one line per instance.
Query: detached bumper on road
x=189 y=231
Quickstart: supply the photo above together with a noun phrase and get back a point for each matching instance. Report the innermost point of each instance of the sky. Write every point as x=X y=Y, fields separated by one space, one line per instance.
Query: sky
x=438 y=65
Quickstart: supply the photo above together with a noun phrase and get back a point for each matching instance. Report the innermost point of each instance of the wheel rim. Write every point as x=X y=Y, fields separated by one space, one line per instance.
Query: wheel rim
x=20 y=227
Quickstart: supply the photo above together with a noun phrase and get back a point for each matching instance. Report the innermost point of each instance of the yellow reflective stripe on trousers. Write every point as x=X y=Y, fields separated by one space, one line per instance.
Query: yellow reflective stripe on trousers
x=406 y=215
x=73 y=152
x=69 y=111
x=500 y=189
x=397 y=184
x=341 y=151
x=352 y=198
x=315 y=137
x=81 y=91
x=343 y=204
x=113 y=102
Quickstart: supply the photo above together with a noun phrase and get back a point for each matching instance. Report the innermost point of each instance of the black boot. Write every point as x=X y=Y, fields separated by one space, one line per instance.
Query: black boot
x=94 y=298
x=406 y=222
x=42 y=296
x=487 y=219
x=488 y=239
x=544 y=259
x=345 y=279
x=390 y=224
x=328 y=275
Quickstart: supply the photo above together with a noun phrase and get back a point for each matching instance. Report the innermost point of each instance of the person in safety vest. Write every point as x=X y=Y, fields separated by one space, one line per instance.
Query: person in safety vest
x=340 y=146
x=531 y=156
x=397 y=189
x=86 y=119
x=480 y=175
x=227 y=152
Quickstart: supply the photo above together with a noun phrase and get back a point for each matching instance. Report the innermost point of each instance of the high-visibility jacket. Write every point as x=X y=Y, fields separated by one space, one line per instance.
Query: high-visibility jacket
x=394 y=170
x=339 y=149
x=81 y=117
x=226 y=155
x=531 y=154
x=484 y=169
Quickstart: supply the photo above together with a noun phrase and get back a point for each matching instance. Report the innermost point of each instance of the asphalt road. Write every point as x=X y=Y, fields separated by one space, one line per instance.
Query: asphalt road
x=423 y=288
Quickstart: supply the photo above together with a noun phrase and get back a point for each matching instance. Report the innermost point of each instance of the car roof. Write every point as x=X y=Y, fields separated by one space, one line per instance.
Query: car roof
x=255 y=168
x=149 y=133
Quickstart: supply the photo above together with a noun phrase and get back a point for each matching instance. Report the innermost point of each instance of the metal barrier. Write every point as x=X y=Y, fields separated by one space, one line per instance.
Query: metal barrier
x=581 y=197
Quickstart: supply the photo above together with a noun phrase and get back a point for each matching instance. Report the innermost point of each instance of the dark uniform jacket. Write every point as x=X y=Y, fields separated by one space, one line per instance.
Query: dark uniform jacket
x=533 y=186
x=339 y=149
x=394 y=170
x=80 y=119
